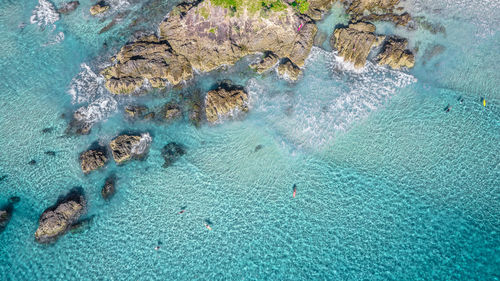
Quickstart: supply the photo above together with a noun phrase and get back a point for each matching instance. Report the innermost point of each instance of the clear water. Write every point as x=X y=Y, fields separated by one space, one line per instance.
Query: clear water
x=389 y=186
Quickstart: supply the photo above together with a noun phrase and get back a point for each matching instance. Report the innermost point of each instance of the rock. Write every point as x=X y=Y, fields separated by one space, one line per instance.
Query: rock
x=108 y=190
x=14 y=199
x=431 y=52
x=50 y=153
x=402 y=19
x=224 y=100
x=99 y=8
x=355 y=42
x=78 y=127
x=149 y=116
x=5 y=216
x=171 y=153
x=195 y=114
x=317 y=8
x=93 y=159
x=57 y=219
x=269 y=60
x=147 y=58
x=258 y=147
x=395 y=54
x=48 y=130
x=32 y=162
x=135 y=111
x=289 y=70
x=358 y=7
x=172 y=111
x=126 y=147
x=68 y=7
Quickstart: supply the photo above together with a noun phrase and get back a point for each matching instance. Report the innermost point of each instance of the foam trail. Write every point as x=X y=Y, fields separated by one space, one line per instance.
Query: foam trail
x=86 y=86
x=329 y=99
x=44 y=14
x=98 y=110
x=143 y=144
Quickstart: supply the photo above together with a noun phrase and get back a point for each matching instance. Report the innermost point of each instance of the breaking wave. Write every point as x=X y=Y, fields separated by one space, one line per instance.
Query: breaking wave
x=86 y=85
x=328 y=99
x=44 y=14
x=143 y=144
x=97 y=110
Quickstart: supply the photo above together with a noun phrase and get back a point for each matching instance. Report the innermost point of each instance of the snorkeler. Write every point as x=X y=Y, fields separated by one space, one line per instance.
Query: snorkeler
x=157 y=248
x=294 y=190
x=208 y=226
x=447 y=108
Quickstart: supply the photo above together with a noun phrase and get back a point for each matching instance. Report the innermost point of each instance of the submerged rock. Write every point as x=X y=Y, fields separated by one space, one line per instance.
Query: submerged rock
x=355 y=41
x=108 y=190
x=81 y=225
x=172 y=111
x=395 y=54
x=57 y=219
x=269 y=60
x=50 y=153
x=224 y=100
x=171 y=153
x=78 y=126
x=126 y=147
x=135 y=111
x=99 y=8
x=398 y=19
x=68 y=7
x=5 y=216
x=93 y=159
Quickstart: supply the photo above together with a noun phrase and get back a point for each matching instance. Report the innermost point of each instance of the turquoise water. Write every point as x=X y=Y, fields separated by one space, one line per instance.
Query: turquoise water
x=389 y=186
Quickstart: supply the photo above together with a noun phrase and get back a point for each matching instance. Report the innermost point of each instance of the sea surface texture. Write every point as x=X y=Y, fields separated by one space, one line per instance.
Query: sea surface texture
x=389 y=186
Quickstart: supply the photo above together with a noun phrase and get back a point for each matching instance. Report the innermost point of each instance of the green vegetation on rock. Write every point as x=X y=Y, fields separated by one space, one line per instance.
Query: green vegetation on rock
x=251 y=5
x=301 y=5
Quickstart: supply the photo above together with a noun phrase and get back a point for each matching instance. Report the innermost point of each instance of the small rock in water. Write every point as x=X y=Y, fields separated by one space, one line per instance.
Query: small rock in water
x=127 y=147
x=5 y=215
x=171 y=153
x=93 y=159
x=3 y=177
x=99 y=8
x=108 y=190
x=32 y=162
x=48 y=130
x=149 y=116
x=50 y=153
x=14 y=199
x=68 y=7
x=258 y=147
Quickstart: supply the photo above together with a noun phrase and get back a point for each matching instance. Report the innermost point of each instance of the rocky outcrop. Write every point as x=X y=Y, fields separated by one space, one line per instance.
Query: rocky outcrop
x=268 y=60
x=68 y=7
x=99 y=8
x=172 y=111
x=108 y=190
x=398 y=19
x=56 y=220
x=395 y=54
x=358 y=7
x=135 y=111
x=316 y=8
x=171 y=153
x=93 y=159
x=288 y=70
x=355 y=41
x=5 y=215
x=222 y=101
x=147 y=58
x=126 y=147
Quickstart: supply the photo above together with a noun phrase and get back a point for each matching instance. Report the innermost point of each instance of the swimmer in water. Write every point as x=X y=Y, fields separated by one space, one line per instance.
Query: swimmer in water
x=157 y=248
x=447 y=108
x=183 y=209
x=294 y=190
x=208 y=224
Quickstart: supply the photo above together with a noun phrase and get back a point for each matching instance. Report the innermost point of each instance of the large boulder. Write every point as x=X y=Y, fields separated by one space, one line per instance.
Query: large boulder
x=288 y=70
x=93 y=159
x=147 y=58
x=57 y=219
x=222 y=101
x=395 y=54
x=355 y=41
x=126 y=147
x=268 y=60
x=99 y=8
x=108 y=190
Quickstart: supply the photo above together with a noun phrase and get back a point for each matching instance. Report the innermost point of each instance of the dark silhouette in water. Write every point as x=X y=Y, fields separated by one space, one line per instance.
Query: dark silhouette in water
x=183 y=209
x=32 y=162
x=48 y=130
x=258 y=147
x=6 y=212
x=50 y=153
x=2 y=178
x=447 y=108
x=294 y=190
x=208 y=224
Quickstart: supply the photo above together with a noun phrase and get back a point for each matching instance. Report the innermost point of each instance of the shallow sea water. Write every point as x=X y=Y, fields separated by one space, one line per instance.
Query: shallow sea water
x=389 y=186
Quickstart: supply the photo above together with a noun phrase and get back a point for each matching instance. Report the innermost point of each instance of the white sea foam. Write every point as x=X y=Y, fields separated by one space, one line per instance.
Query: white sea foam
x=44 y=14
x=96 y=111
x=58 y=38
x=143 y=144
x=86 y=86
x=329 y=98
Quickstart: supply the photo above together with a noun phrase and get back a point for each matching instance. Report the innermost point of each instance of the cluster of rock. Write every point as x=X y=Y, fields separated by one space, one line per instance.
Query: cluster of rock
x=225 y=100
x=355 y=41
x=69 y=7
x=167 y=112
x=93 y=159
x=99 y=8
x=171 y=153
x=6 y=212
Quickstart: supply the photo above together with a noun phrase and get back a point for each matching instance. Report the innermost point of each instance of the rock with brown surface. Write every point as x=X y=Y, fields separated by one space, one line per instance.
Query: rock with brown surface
x=395 y=54
x=172 y=111
x=93 y=159
x=56 y=220
x=398 y=19
x=358 y=7
x=269 y=60
x=289 y=70
x=126 y=147
x=68 y=7
x=135 y=111
x=355 y=41
x=108 y=190
x=147 y=58
x=222 y=101
x=99 y=8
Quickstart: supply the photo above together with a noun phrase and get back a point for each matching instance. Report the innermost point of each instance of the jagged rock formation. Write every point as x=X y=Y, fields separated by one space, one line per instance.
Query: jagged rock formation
x=108 y=190
x=355 y=41
x=269 y=60
x=93 y=159
x=224 y=100
x=288 y=70
x=395 y=54
x=99 y=8
x=126 y=147
x=56 y=220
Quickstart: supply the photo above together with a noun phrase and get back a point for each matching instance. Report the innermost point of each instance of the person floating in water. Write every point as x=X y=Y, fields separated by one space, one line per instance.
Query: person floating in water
x=294 y=190
x=157 y=248
x=483 y=101
x=447 y=108
x=460 y=99
x=183 y=209
x=208 y=224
